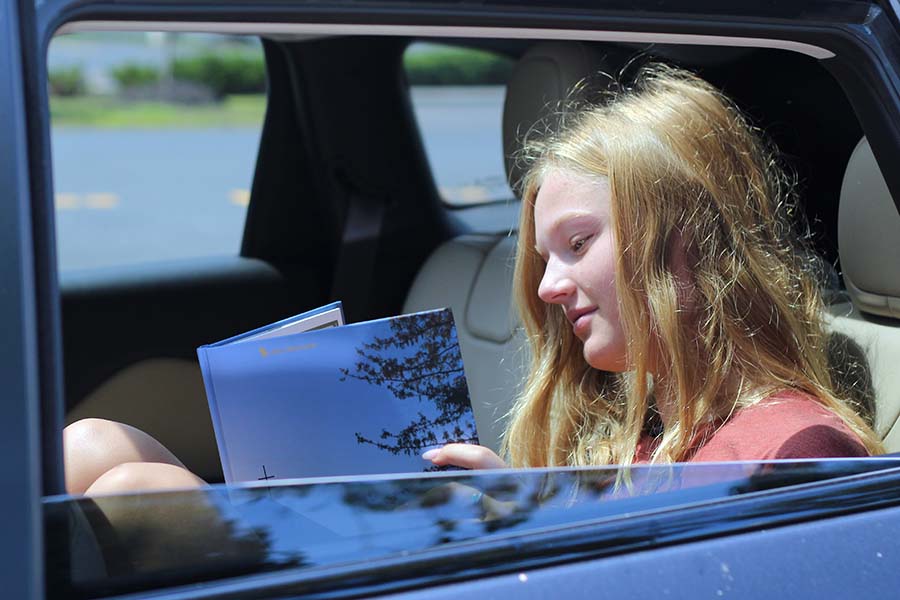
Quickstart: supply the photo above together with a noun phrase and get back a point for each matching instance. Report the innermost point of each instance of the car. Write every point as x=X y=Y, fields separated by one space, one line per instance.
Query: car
x=344 y=204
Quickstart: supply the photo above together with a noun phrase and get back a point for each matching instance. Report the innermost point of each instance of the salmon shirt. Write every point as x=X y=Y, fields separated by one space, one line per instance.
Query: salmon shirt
x=788 y=424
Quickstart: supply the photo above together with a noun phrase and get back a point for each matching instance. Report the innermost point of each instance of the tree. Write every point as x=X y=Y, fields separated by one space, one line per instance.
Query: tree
x=419 y=360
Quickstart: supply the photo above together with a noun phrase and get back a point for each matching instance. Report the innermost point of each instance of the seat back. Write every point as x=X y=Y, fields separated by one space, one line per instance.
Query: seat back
x=472 y=275
x=869 y=243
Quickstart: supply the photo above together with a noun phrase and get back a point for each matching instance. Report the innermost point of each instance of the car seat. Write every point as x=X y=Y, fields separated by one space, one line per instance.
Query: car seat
x=869 y=246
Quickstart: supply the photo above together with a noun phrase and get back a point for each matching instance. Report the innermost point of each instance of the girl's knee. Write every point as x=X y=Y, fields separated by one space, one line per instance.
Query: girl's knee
x=142 y=476
x=86 y=452
x=86 y=431
x=92 y=447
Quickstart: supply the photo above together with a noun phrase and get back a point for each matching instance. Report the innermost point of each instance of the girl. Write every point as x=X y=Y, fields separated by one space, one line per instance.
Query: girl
x=671 y=313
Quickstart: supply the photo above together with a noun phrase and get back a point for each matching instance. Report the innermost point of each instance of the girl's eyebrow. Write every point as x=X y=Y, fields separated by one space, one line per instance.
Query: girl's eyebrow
x=563 y=220
x=569 y=217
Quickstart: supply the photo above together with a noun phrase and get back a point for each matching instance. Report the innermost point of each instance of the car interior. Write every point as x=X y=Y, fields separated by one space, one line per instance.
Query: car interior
x=340 y=140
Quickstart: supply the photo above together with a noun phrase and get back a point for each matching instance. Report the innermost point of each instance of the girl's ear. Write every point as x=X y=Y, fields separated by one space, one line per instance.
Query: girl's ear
x=681 y=261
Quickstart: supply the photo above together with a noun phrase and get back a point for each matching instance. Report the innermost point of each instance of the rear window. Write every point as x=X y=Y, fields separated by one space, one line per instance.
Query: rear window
x=154 y=141
x=457 y=95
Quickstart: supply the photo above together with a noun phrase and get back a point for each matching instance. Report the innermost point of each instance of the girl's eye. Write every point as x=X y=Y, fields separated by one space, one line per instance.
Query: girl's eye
x=578 y=244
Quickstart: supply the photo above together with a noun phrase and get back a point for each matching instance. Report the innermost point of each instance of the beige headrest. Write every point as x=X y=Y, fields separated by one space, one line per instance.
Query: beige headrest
x=869 y=236
x=489 y=314
x=542 y=78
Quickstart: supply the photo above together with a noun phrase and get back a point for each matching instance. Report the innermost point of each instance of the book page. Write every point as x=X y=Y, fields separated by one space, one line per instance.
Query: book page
x=324 y=320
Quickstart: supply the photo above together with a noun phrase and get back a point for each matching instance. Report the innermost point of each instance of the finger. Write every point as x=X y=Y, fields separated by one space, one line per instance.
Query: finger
x=468 y=456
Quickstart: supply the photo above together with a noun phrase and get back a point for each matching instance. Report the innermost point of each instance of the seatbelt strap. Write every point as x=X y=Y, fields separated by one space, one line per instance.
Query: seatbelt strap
x=355 y=265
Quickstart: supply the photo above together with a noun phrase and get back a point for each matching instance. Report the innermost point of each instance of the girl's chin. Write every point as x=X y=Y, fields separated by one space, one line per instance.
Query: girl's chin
x=604 y=360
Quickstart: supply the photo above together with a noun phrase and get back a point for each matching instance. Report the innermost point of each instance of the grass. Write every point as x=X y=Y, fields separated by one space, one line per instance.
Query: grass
x=436 y=66
x=456 y=66
x=108 y=112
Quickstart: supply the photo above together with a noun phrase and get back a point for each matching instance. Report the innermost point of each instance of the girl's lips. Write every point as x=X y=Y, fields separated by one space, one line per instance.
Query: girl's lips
x=582 y=320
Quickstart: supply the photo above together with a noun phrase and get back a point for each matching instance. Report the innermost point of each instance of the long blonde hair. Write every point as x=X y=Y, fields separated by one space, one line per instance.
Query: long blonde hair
x=683 y=166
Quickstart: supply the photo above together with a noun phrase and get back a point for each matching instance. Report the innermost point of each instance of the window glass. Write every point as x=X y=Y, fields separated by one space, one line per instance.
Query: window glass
x=328 y=534
x=457 y=95
x=154 y=139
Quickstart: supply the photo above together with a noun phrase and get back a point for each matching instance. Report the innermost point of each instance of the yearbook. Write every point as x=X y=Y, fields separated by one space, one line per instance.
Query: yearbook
x=311 y=396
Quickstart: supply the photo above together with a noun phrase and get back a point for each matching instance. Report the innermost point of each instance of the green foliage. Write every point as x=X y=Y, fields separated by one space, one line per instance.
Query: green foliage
x=110 y=112
x=456 y=67
x=131 y=75
x=68 y=81
x=224 y=72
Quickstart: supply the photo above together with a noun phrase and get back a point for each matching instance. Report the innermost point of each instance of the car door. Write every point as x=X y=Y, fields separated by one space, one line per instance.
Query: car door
x=869 y=71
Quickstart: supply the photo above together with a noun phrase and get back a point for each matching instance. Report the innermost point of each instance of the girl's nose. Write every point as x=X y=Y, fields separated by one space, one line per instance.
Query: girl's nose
x=556 y=286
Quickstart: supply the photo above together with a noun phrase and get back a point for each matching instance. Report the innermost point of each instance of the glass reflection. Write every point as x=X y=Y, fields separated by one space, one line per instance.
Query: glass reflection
x=115 y=544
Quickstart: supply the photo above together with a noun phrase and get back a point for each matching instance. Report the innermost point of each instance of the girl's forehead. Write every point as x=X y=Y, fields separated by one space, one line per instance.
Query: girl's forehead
x=563 y=191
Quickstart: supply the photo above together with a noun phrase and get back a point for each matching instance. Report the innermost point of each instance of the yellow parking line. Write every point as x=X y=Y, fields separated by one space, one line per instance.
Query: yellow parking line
x=465 y=194
x=102 y=201
x=240 y=197
x=95 y=201
x=67 y=201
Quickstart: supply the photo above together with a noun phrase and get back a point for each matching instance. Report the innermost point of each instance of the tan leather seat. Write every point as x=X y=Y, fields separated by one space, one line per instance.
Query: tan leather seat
x=869 y=243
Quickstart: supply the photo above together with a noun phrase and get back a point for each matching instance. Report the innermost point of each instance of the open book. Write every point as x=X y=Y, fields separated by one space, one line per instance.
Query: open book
x=310 y=396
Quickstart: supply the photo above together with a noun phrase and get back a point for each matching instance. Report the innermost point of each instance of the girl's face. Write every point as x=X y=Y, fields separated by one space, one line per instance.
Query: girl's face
x=573 y=233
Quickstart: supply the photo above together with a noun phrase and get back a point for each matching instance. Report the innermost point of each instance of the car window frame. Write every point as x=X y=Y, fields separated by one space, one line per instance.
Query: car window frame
x=26 y=303
x=34 y=377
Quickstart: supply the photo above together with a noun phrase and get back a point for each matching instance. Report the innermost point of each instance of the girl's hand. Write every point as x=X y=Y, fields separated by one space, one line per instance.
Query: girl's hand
x=468 y=456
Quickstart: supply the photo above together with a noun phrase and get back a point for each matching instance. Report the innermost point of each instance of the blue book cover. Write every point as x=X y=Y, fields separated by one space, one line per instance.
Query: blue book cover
x=355 y=399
